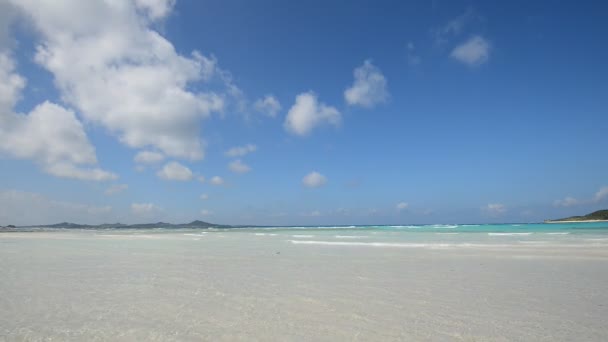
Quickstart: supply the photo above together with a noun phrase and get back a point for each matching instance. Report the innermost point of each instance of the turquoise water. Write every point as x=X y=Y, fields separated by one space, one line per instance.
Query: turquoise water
x=594 y=234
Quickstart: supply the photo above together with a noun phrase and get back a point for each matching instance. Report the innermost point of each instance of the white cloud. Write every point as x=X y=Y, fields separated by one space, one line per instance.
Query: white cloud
x=268 y=105
x=314 y=180
x=115 y=189
x=144 y=209
x=27 y=208
x=495 y=209
x=206 y=212
x=50 y=135
x=110 y=64
x=473 y=52
x=156 y=8
x=216 y=180
x=238 y=166
x=307 y=113
x=148 y=157
x=601 y=194
x=566 y=202
x=369 y=88
x=201 y=179
x=239 y=151
x=402 y=206
x=204 y=197
x=175 y=171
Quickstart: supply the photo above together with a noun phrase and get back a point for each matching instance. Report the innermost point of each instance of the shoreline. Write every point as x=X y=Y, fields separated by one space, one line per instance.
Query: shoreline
x=574 y=221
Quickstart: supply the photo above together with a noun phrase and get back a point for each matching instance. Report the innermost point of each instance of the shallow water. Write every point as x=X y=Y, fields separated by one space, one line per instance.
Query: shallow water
x=322 y=284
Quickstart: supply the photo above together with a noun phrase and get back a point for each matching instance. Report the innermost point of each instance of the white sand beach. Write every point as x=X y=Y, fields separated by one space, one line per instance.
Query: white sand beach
x=237 y=286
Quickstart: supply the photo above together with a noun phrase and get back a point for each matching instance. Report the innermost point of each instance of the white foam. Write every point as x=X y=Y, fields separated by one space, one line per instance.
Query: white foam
x=402 y=245
x=350 y=236
x=443 y=226
x=198 y=235
x=302 y=236
x=509 y=234
x=367 y=244
x=560 y=233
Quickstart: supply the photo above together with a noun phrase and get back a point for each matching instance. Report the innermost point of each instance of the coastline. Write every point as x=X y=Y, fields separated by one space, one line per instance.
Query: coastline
x=574 y=221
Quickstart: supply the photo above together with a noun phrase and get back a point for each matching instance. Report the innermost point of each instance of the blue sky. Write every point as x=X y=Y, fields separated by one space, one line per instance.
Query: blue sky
x=263 y=112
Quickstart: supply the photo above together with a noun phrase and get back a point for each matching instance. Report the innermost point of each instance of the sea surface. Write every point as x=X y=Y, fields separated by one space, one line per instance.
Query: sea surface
x=591 y=234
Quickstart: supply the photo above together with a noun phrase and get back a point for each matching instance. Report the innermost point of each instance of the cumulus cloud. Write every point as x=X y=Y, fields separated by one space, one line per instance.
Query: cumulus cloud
x=566 y=202
x=601 y=194
x=307 y=113
x=268 y=105
x=28 y=208
x=369 y=87
x=473 y=52
x=402 y=206
x=238 y=166
x=314 y=180
x=144 y=209
x=216 y=180
x=50 y=134
x=110 y=64
x=148 y=157
x=115 y=189
x=175 y=171
x=239 y=151
x=495 y=209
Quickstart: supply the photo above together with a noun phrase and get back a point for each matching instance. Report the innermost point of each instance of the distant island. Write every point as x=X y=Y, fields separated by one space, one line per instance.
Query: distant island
x=596 y=216
x=69 y=225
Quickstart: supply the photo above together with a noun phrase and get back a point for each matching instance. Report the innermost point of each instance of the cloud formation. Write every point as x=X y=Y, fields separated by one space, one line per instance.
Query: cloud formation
x=148 y=157
x=566 y=202
x=472 y=52
x=369 y=88
x=601 y=194
x=402 y=206
x=50 y=134
x=268 y=105
x=314 y=180
x=216 y=180
x=238 y=166
x=308 y=113
x=239 y=151
x=175 y=171
x=109 y=63
x=495 y=209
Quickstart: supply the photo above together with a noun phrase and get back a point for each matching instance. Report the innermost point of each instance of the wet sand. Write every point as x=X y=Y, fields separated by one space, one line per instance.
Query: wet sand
x=88 y=286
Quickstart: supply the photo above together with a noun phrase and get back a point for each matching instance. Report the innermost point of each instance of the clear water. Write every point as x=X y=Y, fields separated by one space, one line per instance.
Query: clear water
x=593 y=234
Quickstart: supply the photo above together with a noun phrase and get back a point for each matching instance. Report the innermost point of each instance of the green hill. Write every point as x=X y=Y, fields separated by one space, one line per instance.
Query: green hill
x=594 y=216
